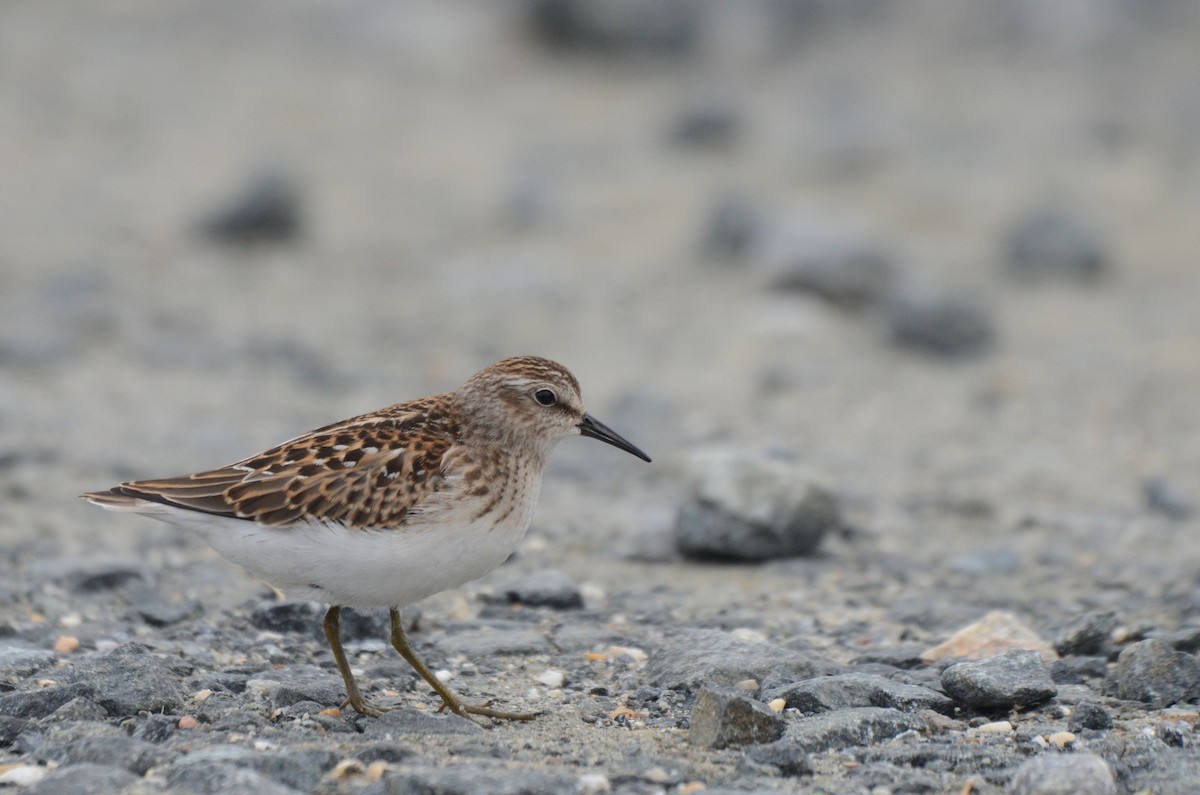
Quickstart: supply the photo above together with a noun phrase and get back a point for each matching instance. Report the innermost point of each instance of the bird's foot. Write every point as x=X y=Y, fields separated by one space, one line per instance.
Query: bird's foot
x=364 y=706
x=484 y=710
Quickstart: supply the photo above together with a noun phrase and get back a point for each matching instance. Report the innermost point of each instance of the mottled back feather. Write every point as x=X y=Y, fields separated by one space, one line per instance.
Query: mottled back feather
x=368 y=471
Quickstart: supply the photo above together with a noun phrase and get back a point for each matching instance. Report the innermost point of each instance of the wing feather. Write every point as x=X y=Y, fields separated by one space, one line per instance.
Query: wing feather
x=370 y=471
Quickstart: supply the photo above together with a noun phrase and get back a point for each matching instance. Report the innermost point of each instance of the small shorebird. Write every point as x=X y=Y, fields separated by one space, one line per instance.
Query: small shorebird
x=387 y=508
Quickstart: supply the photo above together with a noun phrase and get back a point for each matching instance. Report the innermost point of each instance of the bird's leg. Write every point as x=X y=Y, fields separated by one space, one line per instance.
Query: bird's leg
x=449 y=699
x=354 y=696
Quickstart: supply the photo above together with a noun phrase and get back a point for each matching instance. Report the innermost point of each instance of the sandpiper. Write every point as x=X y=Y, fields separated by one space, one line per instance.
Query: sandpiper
x=387 y=508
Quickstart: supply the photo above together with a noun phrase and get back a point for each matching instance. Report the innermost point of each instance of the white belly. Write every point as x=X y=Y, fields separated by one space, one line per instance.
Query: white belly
x=366 y=568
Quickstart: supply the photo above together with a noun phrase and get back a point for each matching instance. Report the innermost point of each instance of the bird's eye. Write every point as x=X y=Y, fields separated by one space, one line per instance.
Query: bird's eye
x=545 y=397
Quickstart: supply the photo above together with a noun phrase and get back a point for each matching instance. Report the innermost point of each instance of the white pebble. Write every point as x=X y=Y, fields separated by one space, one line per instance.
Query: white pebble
x=996 y=727
x=24 y=775
x=594 y=784
x=443 y=675
x=551 y=678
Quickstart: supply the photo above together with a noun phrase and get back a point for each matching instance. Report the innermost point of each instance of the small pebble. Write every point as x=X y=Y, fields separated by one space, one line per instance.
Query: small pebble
x=996 y=727
x=594 y=784
x=1061 y=739
x=347 y=768
x=747 y=685
x=777 y=705
x=188 y=722
x=551 y=678
x=690 y=787
x=22 y=775
x=656 y=775
x=200 y=696
x=443 y=675
x=65 y=644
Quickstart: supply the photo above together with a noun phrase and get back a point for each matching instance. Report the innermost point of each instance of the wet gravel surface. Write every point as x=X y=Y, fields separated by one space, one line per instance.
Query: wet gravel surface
x=903 y=307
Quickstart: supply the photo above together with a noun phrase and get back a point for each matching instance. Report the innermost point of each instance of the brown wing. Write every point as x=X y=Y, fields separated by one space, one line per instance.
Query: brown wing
x=371 y=471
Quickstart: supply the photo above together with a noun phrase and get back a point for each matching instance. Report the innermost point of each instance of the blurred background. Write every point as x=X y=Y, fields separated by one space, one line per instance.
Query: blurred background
x=940 y=254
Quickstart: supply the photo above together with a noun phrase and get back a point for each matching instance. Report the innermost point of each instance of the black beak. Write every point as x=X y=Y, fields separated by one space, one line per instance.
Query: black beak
x=590 y=426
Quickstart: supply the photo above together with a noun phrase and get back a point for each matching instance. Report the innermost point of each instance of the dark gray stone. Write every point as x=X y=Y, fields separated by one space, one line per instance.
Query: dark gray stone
x=404 y=723
x=1009 y=679
x=392 y=753
x=708 y=125
x=136 y=756
x=88 y=575
x=267 y=210
x=18 y=663
x=1052 y=243
x=78 y=709
x=297 y=768
x=1053 y=773
x=851 y=727
x=1182 y=639
x=10 y=729
x=788 y=758
x=1089 y=715
x=222 y=779
x=1153 y=672
x=43 y=701
x=86 y=779
x=833 y=259
x=743 y=508
x=304 y=684
x=1163 y=497
x=729 y=719
x=1079 y=670
x=711 y=657
x=946 y=327
x=1087 y=635
x=502 y=639
x=828 y=693
x=617 y=27
x=307 y=618
x=734 y=227
x=546 y=588
x=472 y=779
x=130 y=679
x=155 y=728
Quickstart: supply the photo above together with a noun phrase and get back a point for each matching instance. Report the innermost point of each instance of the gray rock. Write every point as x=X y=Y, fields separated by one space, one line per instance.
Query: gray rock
x=405 y=723
x=989 y=560
x=222 y=779
x=303 y=683
x=130 y=679
x=18 y=663
x=392 y=753
x=136 y=756
x=1087 y=635
x=267 y=210
x=743 y=508
x=155 y=728
x=473 y=779
x=1052 y=243
x=546 y=588
x=298 y=767
x=88 y=575
x=78 y=709
x=42 y=702
x=711 y=657
x=1153 y=672
x=708 y=125
x=1079 y=670
x=306 y=618
x=1009 y=679
x=10 y=729
x=729 y=719
x=851 y=727
x=788 y=758
x=501 y=639
x=1163 y=497
x=828 y=693
x=616 y=27
x=836 y=262
x=946 y=327
x=1182 y=639
x=158 y=609
x=1089 y=715
x=734 y=227
x=86 y=779
x=1053 y=773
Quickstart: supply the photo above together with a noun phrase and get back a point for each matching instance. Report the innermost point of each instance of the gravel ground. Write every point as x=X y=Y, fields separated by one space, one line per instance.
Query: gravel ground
x=903 y=305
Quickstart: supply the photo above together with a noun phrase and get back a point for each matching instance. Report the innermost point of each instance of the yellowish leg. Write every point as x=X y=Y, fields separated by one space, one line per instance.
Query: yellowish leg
x=354 y=696
x=449 y=699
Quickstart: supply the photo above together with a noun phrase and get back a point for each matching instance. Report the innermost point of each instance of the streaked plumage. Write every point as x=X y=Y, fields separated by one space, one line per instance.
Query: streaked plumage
x=384 y=509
